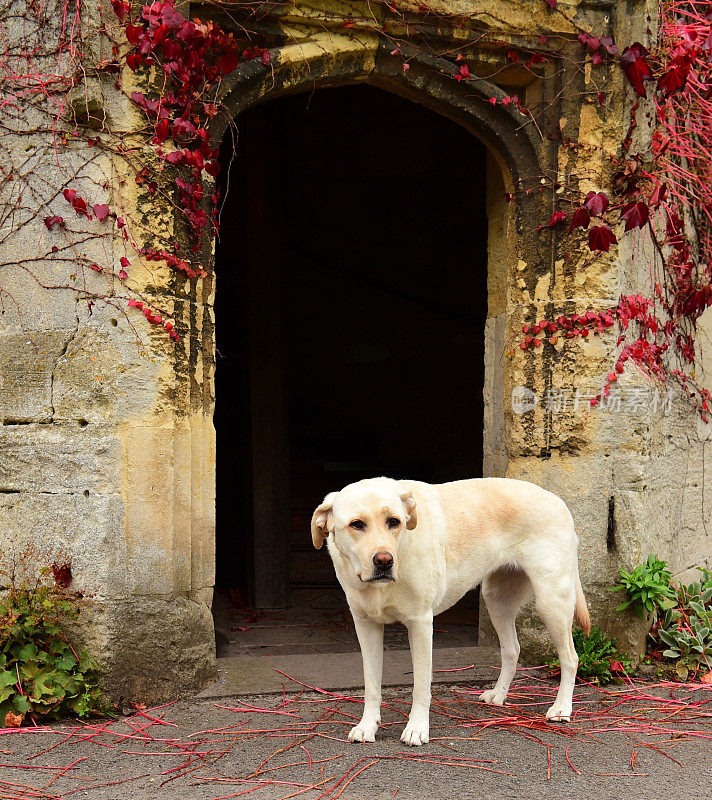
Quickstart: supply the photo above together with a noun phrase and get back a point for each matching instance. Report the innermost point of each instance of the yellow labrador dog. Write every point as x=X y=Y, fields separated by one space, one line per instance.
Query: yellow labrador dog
x=405 y=550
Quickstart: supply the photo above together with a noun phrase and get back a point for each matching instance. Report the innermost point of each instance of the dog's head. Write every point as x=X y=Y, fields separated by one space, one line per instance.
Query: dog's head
x=365 y=521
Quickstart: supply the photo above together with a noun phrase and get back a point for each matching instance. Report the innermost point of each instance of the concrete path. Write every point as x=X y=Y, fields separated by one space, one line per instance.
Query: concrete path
x=649 y=741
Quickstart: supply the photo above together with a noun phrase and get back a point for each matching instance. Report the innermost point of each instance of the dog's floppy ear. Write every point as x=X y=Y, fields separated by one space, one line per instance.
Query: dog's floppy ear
x=406 y=495
x=322 y=521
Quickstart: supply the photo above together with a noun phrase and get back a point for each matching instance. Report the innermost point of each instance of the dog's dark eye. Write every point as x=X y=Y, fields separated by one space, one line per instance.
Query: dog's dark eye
x=357 y=524
x=393 y=522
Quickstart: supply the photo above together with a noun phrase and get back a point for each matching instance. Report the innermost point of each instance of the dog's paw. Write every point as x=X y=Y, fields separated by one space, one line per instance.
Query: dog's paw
x=494 y=697
x=365 y=731
x=416 y=732
x=559 y=713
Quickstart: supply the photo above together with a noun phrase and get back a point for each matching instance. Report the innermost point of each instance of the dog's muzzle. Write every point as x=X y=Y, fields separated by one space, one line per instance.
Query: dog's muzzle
x=382 y=567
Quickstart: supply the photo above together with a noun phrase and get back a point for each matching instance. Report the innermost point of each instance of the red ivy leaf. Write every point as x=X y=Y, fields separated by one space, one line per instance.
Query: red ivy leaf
x=658 y=195
x=101 y=212
x=596 y=203
x=601 y=237
x=675 y=79
x=608 y=43
x=636 y=67
x=464 y=71
x=556 y=218
x=133 y=32
x=134 y=61
x=50 y=222
x=69 y=195
x=62 y=574
x=121 y=8
x=124 y=262
x=552 y=4
x=580 y=219
x=162 y=131
x=79 y=204
x=635 y=215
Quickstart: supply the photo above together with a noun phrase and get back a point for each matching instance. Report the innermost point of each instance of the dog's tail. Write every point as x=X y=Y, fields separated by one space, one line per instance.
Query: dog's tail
x=581 y=614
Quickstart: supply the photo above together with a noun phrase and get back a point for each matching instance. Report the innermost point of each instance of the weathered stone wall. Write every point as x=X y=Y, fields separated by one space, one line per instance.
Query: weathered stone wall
x=108 y=447
x=634 y=479
x=106 y=444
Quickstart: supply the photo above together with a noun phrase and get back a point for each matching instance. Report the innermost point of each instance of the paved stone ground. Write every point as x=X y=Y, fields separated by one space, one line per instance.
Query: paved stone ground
x=321 y=622
x=649 y=741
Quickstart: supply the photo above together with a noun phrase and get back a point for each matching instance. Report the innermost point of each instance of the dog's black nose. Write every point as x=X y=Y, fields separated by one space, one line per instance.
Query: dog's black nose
x=383 y=561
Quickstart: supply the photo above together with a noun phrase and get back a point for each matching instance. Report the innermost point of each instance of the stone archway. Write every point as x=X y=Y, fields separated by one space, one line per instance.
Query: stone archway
x=152 y=619
x=513 y=167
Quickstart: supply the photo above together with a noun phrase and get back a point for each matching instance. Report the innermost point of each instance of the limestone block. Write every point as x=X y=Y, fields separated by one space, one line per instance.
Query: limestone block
x=106 y=376
x=87 y=531
x=158 y=501
x=27 y=375
x=704 y=329
x=36 y=308
x=495 y=455
x=71 y=458
x=149 y=649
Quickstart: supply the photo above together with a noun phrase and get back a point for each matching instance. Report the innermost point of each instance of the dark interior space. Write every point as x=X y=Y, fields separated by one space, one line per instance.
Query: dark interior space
x=350 y=307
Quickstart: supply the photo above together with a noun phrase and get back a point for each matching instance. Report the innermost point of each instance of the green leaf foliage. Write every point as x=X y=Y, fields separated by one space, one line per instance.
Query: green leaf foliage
x=599 y=659
x=681 y=614
x=648 y=587
x=40 y=673
x=686 y=627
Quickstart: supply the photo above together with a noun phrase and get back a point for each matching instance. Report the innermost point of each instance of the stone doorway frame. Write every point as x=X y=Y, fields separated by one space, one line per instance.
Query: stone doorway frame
x=516 y=163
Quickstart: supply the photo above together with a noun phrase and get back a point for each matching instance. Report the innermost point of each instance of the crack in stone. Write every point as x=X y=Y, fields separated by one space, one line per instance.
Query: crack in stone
x=61 y=355
x=7 y=490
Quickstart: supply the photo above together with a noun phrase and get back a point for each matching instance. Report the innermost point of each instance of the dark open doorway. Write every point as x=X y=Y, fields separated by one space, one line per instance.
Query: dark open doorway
x=350 y=307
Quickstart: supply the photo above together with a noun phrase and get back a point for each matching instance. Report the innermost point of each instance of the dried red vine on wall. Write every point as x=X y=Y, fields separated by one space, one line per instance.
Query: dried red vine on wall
x=671 y=202
x=182 y=64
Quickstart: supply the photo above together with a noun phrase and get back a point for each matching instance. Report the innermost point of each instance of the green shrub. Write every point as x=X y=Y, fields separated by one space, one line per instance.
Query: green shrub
x=648 y=587
x=681 y=615
x=599 y=659
x=40 y=673
x=686 y=629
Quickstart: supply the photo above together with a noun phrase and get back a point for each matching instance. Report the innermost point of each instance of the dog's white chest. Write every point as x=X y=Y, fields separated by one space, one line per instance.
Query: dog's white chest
x=386 y=616
x=379 y=606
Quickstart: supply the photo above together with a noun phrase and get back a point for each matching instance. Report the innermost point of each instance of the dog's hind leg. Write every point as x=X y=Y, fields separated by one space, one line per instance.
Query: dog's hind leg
x=505 y=591
x=555 y=602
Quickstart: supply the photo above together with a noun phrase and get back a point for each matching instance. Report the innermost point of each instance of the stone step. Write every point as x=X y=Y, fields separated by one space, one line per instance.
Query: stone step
x=248 y=675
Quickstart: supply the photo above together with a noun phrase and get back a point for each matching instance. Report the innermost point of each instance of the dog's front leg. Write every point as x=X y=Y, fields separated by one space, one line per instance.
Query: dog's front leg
x=370 y=638
x=420 y=635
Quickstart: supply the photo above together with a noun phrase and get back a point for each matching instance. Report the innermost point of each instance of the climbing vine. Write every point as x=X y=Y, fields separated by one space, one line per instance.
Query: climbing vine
x=665 y=191
x=170 y=70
